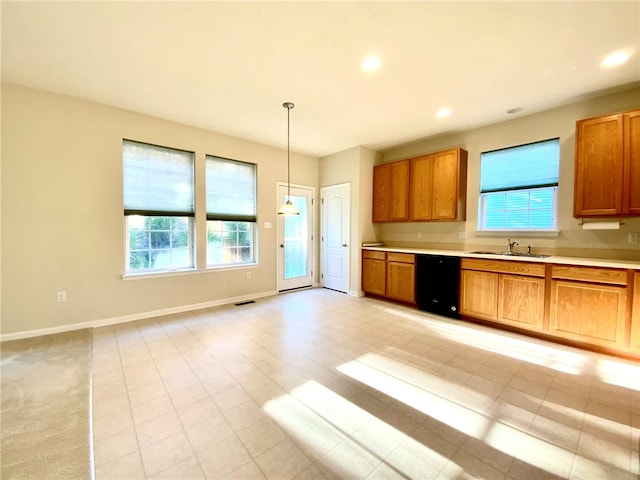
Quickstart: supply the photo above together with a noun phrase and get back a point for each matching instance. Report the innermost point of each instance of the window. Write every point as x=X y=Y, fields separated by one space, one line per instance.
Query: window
x=158 y=207
x=518 y=187
x=231 y=211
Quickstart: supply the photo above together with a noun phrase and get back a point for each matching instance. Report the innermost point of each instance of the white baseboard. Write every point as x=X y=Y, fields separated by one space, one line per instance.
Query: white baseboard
x=132 y=317
x=355 y=293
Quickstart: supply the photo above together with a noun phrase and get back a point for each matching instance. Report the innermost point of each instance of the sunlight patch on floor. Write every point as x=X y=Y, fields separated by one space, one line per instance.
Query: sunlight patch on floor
x=445 y=411
x=619 y=372
x=529 y=350
x=414 y=388
x=361 y=440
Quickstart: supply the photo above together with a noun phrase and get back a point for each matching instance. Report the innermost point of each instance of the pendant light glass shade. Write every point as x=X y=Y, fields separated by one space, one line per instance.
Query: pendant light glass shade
x=288 y=208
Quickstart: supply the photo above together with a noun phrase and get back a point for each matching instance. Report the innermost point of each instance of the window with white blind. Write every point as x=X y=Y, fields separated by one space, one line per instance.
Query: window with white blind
x=231 y=211
x=158 y=207
x=518 y=187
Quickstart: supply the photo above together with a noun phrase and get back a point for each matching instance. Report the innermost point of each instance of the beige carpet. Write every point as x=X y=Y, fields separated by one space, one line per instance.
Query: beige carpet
x=45 y=407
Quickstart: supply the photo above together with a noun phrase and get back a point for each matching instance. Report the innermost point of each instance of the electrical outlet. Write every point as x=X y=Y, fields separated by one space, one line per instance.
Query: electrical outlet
x=633 y=237
x=462 y=234
x=419 y=234
x=62 y=296
x=248 y=275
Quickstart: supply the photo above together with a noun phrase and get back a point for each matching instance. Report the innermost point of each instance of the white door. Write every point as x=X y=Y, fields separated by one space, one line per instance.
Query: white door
x=295 y=240
x=336 y=201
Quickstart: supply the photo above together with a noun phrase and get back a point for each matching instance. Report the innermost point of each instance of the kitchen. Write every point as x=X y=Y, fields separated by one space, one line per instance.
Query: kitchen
x=571 y=325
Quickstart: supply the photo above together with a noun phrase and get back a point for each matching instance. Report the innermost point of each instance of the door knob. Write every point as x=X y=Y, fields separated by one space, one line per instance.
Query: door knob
x=282 y=245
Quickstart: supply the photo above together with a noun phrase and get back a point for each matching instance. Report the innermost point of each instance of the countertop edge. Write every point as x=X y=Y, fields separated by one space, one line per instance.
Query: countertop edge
x=577 y=261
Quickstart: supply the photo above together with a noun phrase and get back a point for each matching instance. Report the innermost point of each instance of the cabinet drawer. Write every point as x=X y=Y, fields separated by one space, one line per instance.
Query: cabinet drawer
x=401 y=257
x=504 y=266
x=590 y=274
x=374 y=255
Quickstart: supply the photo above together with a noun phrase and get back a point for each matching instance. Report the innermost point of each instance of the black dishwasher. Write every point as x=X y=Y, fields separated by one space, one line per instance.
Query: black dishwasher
x=437 y=284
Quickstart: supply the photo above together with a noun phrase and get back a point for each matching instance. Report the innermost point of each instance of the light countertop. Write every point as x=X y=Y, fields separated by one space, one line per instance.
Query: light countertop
x=576 y=261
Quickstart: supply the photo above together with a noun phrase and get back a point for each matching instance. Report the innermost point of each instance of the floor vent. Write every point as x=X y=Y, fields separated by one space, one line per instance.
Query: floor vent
x=244 y=303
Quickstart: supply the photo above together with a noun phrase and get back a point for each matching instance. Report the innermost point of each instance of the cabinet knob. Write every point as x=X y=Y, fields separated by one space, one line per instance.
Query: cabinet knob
x=282 y=245
x=344 y=244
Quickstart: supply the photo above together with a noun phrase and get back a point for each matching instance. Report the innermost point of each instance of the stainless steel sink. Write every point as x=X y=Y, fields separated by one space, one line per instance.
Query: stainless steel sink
x=512 y=254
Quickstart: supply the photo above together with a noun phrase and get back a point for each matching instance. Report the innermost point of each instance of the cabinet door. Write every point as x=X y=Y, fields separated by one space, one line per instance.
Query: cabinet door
x=421 y=188
x=521 y=301
x=382 y=193
x=445 y=185
x=598 y=188
x=479 y=294
x=401 y=280
x=588 y=312
x=635 y=316
x=374 y=276
x=400 y=190
x=632 y=162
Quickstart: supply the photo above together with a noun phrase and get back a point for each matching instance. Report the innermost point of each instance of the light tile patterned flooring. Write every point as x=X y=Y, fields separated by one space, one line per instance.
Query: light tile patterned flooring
x=316 y=384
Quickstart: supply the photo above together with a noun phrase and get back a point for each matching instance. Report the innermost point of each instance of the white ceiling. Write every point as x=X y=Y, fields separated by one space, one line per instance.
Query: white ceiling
x=229 y=66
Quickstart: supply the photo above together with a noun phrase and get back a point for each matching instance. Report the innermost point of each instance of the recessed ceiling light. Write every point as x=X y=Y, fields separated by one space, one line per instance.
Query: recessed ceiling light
x=371 y=63
x=443 y=113
x=615 y=58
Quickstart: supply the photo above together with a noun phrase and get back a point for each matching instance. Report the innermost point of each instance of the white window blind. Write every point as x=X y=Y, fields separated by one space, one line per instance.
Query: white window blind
x=231 y=190
x=157 y=180
x=526 y=166
x=518 y=187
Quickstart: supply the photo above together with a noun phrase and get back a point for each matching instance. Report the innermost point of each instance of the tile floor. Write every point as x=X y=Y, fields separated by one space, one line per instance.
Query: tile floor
x=316 y=384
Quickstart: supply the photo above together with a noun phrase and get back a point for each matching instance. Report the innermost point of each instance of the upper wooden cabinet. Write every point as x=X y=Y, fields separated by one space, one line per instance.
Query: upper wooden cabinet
x=425 y=188
x=632 y=164
x=607 y=166
x=391 y=192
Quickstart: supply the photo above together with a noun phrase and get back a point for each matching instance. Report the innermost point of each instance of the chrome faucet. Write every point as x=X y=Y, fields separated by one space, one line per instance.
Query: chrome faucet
x=510 y=246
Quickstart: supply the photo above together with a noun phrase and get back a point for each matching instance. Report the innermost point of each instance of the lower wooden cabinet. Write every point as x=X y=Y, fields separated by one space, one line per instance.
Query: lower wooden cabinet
x=589 y=305
x=479 y=294
x=374 y=272
x=507 y=292
x=521 y=301
x=588 y=312
x=401 y=277
x=635 y=315
x=389 y=274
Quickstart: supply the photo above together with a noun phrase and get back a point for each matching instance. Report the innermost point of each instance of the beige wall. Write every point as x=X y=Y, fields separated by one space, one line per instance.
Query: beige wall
x=559 y=122
x=62 y=222
x=355 y=167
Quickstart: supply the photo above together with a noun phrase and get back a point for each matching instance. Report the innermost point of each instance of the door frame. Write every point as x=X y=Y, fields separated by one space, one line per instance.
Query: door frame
x=280 y=234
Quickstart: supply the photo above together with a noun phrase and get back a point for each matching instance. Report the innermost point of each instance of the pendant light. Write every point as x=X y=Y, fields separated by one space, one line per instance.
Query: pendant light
x=288 y=208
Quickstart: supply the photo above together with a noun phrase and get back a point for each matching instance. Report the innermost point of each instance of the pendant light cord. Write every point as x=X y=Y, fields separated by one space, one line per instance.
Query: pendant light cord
x=288 y=154
x=288 y=106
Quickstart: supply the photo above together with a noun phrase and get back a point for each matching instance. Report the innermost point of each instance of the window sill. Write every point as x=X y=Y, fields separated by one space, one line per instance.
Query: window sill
x=519 y=233
x=191 y=271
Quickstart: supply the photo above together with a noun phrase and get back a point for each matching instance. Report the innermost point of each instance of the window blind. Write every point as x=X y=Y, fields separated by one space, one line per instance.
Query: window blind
x=231 y=190
x=157 y=180
x=526 y=166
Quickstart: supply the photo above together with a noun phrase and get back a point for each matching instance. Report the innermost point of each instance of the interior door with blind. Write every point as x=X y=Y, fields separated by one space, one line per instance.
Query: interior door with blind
x=295 y=255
